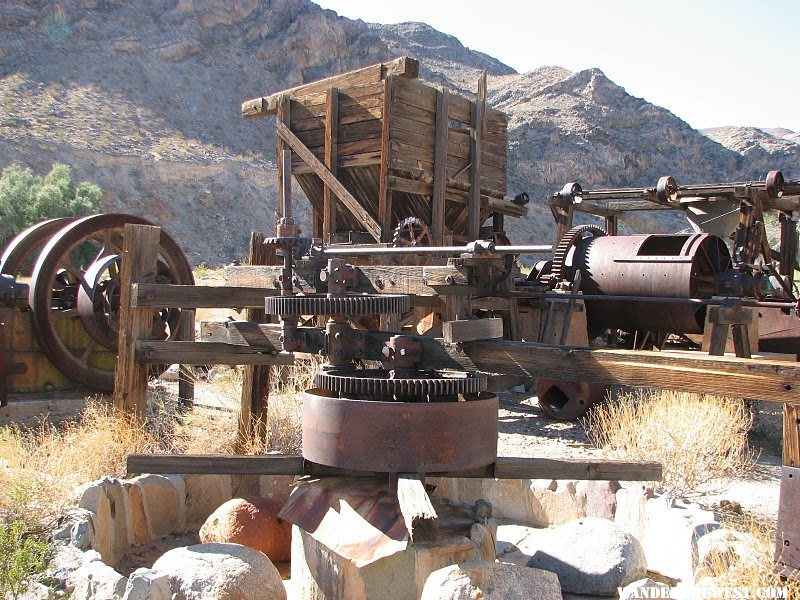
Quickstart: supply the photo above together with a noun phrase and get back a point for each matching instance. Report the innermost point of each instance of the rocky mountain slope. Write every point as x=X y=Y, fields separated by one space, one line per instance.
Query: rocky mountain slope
x=143 y=98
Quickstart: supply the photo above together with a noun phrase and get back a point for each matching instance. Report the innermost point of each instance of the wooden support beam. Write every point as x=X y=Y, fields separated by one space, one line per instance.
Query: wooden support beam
x=268 y=105
x=331 y=161
x=420 y=517
x=198 y=296
x=471 y=330
x=440 y=167
x=284 y=175
x=139 y=264
x=384 y=191
x=476 y=137
x=254 y=406
x=768 y=380
x=185 y=372
x=503 y=468
x=328 y=179
x=206 y=353
x=791 y=435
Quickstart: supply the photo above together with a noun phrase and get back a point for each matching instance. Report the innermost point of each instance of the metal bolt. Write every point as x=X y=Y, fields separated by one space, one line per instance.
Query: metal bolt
x=337 y=336
x=402 y=351
x=449 y=280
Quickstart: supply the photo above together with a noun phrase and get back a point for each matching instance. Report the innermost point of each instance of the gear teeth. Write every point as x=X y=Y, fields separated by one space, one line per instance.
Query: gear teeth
x=378 y=382
x=375 y=304
x=557 y=271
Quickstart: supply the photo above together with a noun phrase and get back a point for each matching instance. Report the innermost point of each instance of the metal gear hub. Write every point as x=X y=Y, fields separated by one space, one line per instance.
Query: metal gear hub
x=401 y=382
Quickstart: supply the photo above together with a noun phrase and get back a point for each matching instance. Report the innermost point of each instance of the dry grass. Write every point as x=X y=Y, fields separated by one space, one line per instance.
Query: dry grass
x=700 y=440
x=755 y=570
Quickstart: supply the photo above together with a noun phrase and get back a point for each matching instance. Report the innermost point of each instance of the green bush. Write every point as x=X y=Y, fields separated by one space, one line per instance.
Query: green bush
x=26 y=198
x=23 y=556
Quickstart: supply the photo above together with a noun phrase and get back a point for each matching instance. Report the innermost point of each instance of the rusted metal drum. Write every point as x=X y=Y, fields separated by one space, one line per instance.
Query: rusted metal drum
x=671 y=266
x=778 y=331
x=567 y=400
x=395 y=437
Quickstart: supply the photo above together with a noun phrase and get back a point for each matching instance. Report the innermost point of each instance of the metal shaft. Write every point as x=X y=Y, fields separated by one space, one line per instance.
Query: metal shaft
x=698 y=301
x=453 y=250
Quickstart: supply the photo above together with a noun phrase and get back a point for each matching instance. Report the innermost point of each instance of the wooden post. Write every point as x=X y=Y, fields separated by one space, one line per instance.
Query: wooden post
x=788 y=248
x=139 y=263
x=440 y=166
x=420 y=517
x=791 y=435
x=331 y=160
x=4 y=357
x=476 y=137
x=186 y=373
x=611 y=222
x=284 y=117
x=384 y=193
x=255 y=379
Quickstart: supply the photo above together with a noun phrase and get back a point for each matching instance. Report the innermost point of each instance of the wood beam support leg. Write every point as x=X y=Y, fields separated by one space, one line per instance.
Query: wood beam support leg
x=284 y=178
x=186 y=372
x=139 y=264
x=331 y=161
x=440 y=167
x=420 y=517
x=384 y=193
x=476 y=138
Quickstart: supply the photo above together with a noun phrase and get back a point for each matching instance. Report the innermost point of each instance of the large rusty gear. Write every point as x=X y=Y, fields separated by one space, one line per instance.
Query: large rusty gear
x=411 y=232
x=560 y=270
x=383 y=382
x=375 y=304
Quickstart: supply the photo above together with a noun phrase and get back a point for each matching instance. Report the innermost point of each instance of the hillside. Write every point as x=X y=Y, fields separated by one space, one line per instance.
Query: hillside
x=143 y=98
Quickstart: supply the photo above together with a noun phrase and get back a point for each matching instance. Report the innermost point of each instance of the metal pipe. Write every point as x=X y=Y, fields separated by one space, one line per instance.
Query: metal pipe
x=372 y=251
x=698 y=301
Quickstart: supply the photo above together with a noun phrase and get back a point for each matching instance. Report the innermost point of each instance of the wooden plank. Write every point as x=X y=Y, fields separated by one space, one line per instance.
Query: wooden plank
x=351 y=93
x=791 y=435
x=331 y=161
x=503 y=468
x=384 y=191
x=420 y=517
x=203 y=353
x=284 y=116
x=139 y=263
x=773 y=381
x=198 y=296
x=267 y=105
x=440 y=167
x=347 y=107
x=327 y=177
x=472 y=329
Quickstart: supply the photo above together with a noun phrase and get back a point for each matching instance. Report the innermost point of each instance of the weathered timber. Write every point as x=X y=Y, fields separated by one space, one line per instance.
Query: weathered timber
x=254 y=404
x=198 y=296
x=328 y=178
x=203 y=353
x=268 y=105
x=420 y=517
x=331 y=161
x=478 y=128
x=139 y=264
x=284 y=174
x=439 y=167
x=769 y=380
x=186 y=375
x=791 y=435
x=471 y=330
x=503 y=468
x=384 y=191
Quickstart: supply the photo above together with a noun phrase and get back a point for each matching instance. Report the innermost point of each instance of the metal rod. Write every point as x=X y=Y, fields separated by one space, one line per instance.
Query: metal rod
x=372 y=251
x=699 y=301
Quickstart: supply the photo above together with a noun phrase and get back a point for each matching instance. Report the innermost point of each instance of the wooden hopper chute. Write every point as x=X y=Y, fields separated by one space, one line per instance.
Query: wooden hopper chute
x=374 y=146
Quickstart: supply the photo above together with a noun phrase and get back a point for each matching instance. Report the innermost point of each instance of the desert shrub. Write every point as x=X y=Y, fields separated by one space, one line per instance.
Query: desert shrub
x=23 y=556
x=26 y=198
x=699 y=440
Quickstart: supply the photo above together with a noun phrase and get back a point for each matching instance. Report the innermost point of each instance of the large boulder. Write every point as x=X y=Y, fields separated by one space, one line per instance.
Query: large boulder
x=490 y=581
x=97 y=581
x=590 y=556
x=220 y=572
x=251 y=522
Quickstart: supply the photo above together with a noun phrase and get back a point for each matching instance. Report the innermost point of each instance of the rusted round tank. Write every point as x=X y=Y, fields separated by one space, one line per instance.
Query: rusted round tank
x=670 y=266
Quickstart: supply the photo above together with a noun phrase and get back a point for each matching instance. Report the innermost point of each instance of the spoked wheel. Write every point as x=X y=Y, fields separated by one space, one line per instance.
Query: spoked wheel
x=77 y=275
x=568 y=400
x=19 y=256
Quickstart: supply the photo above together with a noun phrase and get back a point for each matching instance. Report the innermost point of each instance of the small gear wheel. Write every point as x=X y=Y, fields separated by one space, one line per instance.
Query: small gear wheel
x=318 y=304
x=381 y=382
x=411 y=232
x=560 y=270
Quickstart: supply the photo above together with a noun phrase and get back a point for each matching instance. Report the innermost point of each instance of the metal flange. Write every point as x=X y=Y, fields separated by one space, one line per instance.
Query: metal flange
x=383 y=382
x=375 y=304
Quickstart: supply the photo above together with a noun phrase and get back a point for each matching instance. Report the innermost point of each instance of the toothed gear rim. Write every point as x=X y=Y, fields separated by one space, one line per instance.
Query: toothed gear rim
x=378 y=382
x=337 y=305
x=571 y=238
x=413 y=228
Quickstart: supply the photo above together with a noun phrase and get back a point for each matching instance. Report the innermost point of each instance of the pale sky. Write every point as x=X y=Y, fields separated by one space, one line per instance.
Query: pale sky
x=711 y=62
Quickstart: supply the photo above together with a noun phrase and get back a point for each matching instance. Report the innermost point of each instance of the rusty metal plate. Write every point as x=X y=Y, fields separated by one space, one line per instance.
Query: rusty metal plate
x=394 y=437
x=787 y=547
x=778 y=331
